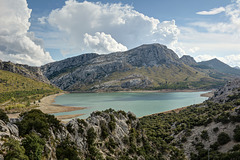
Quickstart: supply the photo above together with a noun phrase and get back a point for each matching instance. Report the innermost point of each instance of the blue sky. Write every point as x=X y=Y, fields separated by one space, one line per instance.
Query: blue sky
x=57 y=29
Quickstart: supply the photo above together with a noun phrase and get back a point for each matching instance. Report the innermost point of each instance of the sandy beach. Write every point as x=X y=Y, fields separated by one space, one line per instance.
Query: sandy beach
x=46 y=106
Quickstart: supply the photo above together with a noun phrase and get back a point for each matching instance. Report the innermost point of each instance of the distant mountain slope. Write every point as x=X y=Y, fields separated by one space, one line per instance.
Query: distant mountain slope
x=34 y=73
x=220 y=66
x=152 y=66
x=188 y=60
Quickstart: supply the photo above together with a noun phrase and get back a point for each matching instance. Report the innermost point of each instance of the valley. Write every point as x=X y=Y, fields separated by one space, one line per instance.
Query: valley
x=105 y=133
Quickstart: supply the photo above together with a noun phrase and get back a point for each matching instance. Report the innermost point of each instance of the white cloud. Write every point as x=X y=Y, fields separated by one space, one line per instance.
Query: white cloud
x=42 y=20
x=232 y=60
x=232 y=12
x=123 y=26
x=193 y=50
x=215 y=40
x=213 y=11
x=16 y=43
x=103 y=43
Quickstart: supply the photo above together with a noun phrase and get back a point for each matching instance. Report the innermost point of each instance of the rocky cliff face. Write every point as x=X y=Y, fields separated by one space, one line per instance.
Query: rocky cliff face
x=24 y=70
x=103 y=135
x=188 y=60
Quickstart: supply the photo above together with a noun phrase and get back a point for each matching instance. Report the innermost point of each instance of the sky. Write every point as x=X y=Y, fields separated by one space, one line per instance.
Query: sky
x=38 y=32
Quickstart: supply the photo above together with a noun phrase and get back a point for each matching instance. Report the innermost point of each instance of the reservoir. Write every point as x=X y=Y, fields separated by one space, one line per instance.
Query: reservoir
x=141 y=104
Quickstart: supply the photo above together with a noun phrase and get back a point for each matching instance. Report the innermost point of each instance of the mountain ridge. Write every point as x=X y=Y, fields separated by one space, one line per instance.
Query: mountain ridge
x=147 y=65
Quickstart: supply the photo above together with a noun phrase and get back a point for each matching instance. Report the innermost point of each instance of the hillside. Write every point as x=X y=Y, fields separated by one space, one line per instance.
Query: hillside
x=210 y=129
x=220 y=67
x=17 y=90
x=212 y=126
x=152 y=66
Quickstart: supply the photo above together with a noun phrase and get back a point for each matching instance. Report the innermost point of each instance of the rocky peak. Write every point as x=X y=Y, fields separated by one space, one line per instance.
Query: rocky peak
x=151 y=55
x=188 y=60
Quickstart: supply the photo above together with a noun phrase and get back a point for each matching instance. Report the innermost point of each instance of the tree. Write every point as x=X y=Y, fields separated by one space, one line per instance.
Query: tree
x=236 y=135
x=223 y=138
x=67 y=150
x=3 y=116
x=34 y=146
x=15 y=151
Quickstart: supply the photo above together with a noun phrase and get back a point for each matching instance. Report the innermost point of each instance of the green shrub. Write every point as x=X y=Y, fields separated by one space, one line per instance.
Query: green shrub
x=223 y=138
x=14 y=150
x=38 y=121
x=236 y=147
x=216 y=129
x=112 y=125
x=83 y=122
x=91 y=136
x=236 y=135
x=67 y=150
x=34 y=146
x=3 y=116
x=214 y=146
x=204 y=135
x=104 y=130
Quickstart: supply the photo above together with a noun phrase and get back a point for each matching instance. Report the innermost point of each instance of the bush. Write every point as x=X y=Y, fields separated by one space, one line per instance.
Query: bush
x=214 y=146
x=204 y=135
x=104 y=130
x=3 y=116
x=34 y=146
x=67 y=150
x=236 y=135
x=38 y=121
x=14 y=150
x=91 y=136
x=216 y=129
x=236 y=147
x=223 y=138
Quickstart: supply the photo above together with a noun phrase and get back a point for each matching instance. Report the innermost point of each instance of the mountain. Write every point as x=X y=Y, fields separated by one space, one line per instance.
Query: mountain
x=220 y=67
x=236 y=67
x=188 y=60
x=34 y=73
x=151 y=66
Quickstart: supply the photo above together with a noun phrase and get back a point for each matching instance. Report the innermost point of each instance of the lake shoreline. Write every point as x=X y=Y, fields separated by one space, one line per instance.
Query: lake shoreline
x=46 y=104
x=146 y=91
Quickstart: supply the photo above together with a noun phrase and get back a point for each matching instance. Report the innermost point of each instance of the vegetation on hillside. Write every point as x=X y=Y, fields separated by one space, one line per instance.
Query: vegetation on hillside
x=18 y=93
x=163 y=129
x=164 y=77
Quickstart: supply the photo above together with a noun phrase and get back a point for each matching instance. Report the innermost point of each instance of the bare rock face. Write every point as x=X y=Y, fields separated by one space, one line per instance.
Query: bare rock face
x=224 y=94
x=90 y=69
x=7 y=130
x=106 y=125
x=34 y=73
x=188 y=60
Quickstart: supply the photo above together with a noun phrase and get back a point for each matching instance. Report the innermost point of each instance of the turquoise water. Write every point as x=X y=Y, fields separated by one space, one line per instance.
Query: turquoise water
x=140 y=104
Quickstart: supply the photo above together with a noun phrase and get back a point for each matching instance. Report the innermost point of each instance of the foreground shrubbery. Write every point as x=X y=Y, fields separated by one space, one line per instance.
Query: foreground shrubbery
x=38 y=121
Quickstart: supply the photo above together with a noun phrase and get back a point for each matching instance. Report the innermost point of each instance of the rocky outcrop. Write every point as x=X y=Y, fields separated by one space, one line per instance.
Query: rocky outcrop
x=226 y=93
x=108 y=134
x=110 y=127
x=34 y=73
x=7 y=130
x=188 y=60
